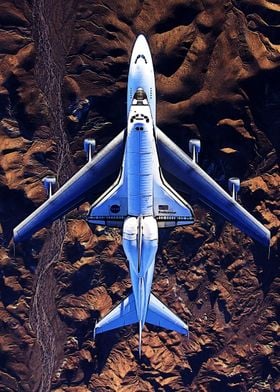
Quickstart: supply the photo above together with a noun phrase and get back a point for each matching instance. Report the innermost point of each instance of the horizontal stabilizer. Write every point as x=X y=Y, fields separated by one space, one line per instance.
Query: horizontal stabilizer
x=158 y=314
x=121 y=315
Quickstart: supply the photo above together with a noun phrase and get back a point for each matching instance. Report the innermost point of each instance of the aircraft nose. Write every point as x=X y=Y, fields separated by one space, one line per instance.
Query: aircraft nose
x=141 y=39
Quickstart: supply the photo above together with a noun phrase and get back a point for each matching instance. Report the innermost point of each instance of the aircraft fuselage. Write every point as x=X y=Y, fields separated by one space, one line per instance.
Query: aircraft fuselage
x=141 y=201
x=140 y=230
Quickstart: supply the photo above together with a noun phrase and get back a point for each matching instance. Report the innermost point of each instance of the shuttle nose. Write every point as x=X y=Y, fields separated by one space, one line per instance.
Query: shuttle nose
x=141 y=74
x=141 y=47
x=141 y=40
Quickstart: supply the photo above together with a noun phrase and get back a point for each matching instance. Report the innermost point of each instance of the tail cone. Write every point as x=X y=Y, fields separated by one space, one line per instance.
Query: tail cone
x=140 y=339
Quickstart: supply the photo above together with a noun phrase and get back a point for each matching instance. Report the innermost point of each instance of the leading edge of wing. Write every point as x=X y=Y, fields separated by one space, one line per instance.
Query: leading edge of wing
x=73 y=191
x=176 y=162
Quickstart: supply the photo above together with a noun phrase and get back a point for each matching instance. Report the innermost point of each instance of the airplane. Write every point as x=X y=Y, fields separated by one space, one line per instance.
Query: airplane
x=141 y=201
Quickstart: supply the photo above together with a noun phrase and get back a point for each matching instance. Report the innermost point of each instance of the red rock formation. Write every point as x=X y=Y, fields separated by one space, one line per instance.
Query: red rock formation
x=217 y=72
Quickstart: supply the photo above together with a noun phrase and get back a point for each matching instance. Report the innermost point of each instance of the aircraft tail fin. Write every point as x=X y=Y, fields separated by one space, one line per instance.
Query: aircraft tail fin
x=158 y=314
x=123 y=314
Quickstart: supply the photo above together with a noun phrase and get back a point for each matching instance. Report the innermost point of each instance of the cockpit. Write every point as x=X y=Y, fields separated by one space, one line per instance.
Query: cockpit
x=140 y=114
x=140 y=95
x=141 y=56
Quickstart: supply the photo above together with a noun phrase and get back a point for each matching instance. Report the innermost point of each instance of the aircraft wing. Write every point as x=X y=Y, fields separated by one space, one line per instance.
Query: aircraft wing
x=176 y=162
x=74 y=191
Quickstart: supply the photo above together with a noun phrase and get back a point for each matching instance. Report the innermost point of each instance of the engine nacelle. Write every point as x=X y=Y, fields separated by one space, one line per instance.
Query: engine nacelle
x=89 y=147
x=194 y=149
x=49 y=183
x=234 y=186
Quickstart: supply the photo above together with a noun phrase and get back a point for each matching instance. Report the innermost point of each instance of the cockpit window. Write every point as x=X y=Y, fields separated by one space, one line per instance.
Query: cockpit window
x=140 y=94
x=141 y=56
x=140 y=98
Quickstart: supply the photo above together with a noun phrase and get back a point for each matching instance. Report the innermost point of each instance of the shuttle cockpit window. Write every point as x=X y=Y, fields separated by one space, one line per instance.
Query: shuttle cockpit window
x=140 y=97
x=141 y=56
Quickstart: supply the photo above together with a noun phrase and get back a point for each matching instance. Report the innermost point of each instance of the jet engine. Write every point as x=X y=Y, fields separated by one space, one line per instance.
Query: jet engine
x=89 y=147
x=49 y=183
x=194 y=149
x=234 y=186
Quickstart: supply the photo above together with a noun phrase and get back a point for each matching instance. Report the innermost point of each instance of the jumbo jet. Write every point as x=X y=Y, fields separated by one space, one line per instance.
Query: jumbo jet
x=141 y=201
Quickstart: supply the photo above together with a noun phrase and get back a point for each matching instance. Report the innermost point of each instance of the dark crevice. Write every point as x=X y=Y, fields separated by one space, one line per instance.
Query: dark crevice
x=270 y=16
x=264 y=96
x=10 y=214
x=104 y=345
x=196 y=362
x=17 y=108
x=171 y=63
x=223 y=308
x=111 y=27
x=117 y=52
x=180 y=15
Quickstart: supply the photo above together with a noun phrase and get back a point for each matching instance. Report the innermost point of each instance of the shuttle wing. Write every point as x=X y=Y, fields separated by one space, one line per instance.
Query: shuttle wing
x=176 y=162
x=74 y=191
x=170 y=209
x=111 y=208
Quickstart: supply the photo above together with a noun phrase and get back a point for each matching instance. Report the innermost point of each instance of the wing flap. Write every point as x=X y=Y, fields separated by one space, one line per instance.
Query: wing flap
x=180 y=165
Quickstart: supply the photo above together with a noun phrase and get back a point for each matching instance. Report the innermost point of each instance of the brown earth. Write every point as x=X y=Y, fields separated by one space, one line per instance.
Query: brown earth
x=218 y=78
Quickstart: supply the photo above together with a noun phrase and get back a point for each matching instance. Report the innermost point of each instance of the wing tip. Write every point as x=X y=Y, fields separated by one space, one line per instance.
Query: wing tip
x=16 y=236
x=266 y=238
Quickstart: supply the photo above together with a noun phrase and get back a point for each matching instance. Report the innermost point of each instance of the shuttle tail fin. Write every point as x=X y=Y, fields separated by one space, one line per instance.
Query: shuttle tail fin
x=158 y=314
x=123 y=314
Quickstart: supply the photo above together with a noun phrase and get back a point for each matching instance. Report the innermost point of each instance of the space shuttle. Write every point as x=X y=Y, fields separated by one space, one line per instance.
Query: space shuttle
x=140 y=201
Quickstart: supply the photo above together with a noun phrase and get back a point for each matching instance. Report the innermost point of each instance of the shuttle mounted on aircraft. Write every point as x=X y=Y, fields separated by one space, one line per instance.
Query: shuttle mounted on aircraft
x=140 y=201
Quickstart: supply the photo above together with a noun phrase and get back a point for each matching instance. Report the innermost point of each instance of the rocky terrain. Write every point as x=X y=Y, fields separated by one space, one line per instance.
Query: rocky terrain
x=218 y=78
